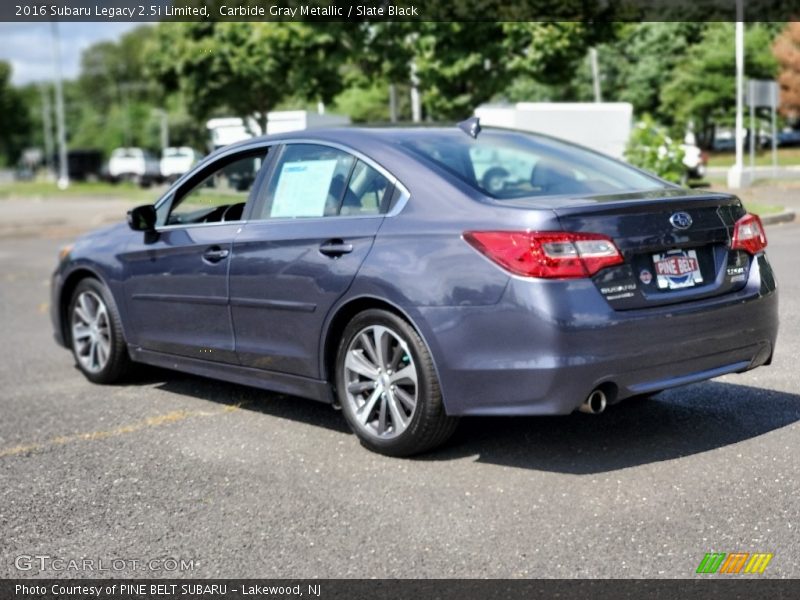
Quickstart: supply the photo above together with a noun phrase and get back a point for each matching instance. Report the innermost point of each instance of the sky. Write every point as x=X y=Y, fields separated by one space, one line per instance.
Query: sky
x=29 y=47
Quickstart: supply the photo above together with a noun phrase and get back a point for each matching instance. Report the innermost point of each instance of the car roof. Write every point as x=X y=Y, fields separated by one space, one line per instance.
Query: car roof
x=380 y=144
x=365 y=134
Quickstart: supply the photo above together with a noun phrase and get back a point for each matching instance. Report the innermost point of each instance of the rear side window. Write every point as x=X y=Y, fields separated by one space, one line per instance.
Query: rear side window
x=365 y=191
x=318 y=181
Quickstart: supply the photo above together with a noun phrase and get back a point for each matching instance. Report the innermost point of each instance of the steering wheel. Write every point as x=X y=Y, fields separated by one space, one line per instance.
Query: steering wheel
x=233 y=212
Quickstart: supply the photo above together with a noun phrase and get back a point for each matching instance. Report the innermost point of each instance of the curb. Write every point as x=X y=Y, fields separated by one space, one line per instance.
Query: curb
x=786 y=216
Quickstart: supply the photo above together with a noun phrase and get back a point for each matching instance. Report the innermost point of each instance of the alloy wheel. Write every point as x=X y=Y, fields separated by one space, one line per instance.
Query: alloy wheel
x=91 y=332
x=381 y=382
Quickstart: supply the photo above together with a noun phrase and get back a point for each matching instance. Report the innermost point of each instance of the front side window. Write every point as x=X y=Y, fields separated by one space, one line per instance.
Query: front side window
x=219 y=194
x=318 y=181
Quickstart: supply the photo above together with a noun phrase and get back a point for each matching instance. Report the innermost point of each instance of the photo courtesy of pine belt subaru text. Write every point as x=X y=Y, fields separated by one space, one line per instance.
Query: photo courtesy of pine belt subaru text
x=413 y=276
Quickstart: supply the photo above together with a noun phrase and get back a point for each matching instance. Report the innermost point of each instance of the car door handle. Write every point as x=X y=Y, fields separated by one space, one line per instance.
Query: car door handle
x=335 y=248
x=215 y=254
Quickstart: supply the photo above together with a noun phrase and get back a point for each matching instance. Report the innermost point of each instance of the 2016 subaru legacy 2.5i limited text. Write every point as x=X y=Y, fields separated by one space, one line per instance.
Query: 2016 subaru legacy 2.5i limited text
x=412 y=276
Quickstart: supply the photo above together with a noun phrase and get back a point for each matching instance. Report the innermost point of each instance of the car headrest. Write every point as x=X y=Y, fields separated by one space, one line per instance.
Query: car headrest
x=550 y=176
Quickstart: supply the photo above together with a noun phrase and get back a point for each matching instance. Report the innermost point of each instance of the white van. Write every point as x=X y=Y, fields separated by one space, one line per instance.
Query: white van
x=176 y=161
x=133 y=164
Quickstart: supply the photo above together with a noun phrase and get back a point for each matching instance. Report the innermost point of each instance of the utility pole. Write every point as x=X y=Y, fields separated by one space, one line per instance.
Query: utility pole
x=736 y=173
x=752 y=133
x=416 y=103
x=392 y=103
x=47 y=125
x=163 y=119
x=63 y=170
x=164 y=130
x=124 y=91
x=774 y=109
x=598 y=97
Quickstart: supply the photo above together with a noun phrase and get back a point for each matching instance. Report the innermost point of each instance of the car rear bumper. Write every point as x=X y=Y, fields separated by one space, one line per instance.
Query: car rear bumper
x=547 y=344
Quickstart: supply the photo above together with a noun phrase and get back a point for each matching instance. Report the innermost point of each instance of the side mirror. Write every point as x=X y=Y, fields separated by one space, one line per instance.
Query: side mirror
x=142 y=218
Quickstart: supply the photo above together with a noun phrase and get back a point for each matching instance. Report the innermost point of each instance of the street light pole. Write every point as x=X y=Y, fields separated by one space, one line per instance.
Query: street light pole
x=736 y=173
x=63 y=170
x=416 y=103
x=163 y=118
x=392 y=103
x=47 y=125
x=598 y=97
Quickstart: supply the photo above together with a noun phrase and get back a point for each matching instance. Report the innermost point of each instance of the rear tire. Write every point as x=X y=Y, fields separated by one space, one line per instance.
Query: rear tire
x=387 y=386
x=95 y=334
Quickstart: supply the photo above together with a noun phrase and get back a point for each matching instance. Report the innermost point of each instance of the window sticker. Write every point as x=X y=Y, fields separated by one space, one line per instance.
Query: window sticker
x=302 y=189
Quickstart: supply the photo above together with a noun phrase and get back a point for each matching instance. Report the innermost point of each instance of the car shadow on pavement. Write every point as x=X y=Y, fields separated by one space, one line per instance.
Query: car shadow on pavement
x=672 y=425
x=264 y=402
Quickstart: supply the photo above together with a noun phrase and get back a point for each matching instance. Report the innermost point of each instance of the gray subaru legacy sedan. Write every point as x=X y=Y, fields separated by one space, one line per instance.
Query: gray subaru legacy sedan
x=412 y=276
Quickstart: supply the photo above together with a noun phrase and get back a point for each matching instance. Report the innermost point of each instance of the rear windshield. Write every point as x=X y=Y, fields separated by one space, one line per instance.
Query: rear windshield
x=507 y=165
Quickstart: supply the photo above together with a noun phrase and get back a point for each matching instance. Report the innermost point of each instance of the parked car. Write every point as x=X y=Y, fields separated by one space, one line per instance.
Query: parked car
x=134 y=164
x=789 y=138
x=372 y=269
x=29 y=161
x=177 y=161
x=83 y=164
x=725 y=141
x=724 y=144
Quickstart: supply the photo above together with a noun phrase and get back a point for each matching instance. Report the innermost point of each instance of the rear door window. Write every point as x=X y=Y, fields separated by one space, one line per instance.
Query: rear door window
x=308 y=181
x=311 y=180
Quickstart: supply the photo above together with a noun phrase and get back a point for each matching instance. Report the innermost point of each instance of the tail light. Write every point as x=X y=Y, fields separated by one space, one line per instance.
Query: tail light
x=748 y=235
x=547 y=254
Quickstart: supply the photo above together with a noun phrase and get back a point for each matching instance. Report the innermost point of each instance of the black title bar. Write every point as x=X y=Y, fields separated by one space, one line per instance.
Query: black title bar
x=705 y=588
x=400 y=10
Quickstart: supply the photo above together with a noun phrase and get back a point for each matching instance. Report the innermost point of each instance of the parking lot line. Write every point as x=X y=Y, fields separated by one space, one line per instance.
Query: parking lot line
x=149 y=422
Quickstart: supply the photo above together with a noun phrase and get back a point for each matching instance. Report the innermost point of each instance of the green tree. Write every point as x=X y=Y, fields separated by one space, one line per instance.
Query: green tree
x=549 y=61
x=369 y=103
x=115 y=72
x=637 y=62
x=113 y=102
x=702 y=87
x=15 y=123
x=248 y=68
x=461 y=65
x=650 y=52
x=548 y=52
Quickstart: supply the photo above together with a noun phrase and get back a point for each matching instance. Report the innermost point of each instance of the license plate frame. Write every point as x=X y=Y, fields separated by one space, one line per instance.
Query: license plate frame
x=677 y=269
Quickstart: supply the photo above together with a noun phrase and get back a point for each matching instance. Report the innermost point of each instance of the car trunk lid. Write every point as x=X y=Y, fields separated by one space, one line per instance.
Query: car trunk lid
x=675 y=244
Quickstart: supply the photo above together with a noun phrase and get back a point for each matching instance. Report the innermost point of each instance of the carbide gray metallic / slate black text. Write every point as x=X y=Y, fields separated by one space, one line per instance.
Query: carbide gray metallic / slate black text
x=416 y=275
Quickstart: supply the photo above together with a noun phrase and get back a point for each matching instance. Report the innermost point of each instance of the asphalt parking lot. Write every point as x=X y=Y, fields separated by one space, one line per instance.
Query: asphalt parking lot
x=238 y=482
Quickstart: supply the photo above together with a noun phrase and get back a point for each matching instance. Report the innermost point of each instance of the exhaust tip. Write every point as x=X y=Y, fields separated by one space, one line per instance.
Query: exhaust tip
x=595 y=403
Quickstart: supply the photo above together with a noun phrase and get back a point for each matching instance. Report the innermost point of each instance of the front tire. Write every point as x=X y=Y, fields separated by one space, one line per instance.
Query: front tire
x=95 y=333
x=387 y=386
